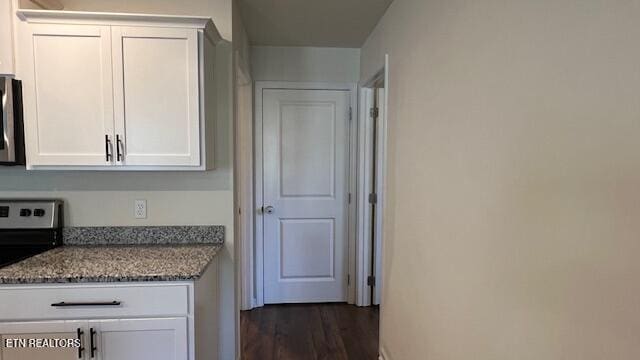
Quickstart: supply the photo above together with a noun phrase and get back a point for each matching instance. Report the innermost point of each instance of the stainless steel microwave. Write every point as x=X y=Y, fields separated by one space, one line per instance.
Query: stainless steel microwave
x=11 y=123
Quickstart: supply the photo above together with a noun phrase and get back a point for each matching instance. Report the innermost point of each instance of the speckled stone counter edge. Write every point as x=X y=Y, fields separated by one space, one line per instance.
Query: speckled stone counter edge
x=144 y=235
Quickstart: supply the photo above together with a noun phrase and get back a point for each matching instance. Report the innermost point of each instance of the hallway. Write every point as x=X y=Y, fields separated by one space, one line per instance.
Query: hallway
x=310 y=331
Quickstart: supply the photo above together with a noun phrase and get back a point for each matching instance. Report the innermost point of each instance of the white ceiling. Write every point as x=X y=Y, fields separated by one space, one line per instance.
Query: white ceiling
x=330 y=23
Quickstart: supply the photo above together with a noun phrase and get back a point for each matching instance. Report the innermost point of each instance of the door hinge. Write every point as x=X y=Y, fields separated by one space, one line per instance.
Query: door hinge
x=349 y=198
x=348 y=279
x=350 y=113
x=374 y=112
x=371 y=281
x=373 y=198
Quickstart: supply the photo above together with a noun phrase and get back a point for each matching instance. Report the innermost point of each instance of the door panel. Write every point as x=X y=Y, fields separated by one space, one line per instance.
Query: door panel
x=15 y=332
x=308 y=149
x=68 y=94
x=135 y=339
x=157 y=95
x=299 y=237
x=305 y=140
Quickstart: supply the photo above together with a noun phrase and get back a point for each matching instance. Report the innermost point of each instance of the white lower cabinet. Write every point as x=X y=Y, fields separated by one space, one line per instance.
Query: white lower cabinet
x=135 y=339
x=110 y=339
x=123 y=321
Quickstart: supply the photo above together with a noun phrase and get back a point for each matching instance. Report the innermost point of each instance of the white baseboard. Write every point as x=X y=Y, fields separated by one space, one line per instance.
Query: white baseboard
x=383 y=354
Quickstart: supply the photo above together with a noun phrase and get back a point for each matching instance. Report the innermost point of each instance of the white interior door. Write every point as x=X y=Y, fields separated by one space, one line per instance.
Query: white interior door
x=156 y=88
x=305 y=160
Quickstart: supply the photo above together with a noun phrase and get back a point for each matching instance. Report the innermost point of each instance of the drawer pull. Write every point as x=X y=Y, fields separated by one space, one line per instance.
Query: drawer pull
x=97 y=303
x=92 y=334
x=80 y=348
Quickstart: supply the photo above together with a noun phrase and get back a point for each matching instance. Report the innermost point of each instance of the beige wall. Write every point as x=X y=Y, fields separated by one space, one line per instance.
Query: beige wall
x=315 y=64
x=514 y=172
x=218 y=10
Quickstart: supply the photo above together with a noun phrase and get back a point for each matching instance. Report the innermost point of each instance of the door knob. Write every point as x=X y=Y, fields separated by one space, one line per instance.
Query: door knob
x=269 y=210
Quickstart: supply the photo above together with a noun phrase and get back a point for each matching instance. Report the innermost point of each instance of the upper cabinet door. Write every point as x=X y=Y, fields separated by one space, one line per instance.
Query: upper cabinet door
x=68 y=95
x=6 y=38
x=157 y=105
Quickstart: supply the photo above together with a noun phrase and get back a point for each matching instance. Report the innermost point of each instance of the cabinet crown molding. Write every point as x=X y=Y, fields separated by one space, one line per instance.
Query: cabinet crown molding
x=121 y=19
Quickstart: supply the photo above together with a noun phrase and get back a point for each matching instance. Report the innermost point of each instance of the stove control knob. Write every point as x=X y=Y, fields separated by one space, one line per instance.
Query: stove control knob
x=38 y=212
x=25 y=212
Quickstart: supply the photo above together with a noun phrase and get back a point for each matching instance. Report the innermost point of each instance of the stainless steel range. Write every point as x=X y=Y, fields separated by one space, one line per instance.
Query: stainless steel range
x=28 y=227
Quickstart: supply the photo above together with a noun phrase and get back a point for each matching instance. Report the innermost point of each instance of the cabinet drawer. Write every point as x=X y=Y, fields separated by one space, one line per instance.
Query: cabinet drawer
x=27 y=303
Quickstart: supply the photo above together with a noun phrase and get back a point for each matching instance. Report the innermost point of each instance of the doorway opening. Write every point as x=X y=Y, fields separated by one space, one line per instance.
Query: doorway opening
x=319 y=152
x=305 y=146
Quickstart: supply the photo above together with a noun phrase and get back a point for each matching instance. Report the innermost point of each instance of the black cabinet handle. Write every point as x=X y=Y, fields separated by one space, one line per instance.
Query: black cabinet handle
x=97 y=303
x=93 y=344
x=107 y=148
x=120 y=154
x=80 y=348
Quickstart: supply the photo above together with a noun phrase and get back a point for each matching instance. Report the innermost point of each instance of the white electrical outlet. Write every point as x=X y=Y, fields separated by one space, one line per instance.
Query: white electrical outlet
x=140 y=209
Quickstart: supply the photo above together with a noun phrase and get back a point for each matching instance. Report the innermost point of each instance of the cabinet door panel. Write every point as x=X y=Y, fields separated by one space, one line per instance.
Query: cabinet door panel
x=68 y=94
x=157 y=95
x=13 y=333
x=6 y=38
x=135 y=339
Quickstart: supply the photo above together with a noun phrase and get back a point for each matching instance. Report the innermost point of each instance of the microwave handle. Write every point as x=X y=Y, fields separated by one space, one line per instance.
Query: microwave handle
x=2 y=145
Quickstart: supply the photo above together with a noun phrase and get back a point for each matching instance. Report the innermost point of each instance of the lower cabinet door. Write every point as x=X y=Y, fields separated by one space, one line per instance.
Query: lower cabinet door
x=48 y=340
x=139 y=339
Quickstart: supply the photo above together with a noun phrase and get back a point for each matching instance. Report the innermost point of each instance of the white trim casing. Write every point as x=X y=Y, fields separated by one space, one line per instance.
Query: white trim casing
x=365 y=141
x=384 y=130
x=259 y=173
x=363 y=248
x=244 y=184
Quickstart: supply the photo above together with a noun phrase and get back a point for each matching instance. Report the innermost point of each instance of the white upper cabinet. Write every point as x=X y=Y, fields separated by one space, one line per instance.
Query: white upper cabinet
x=156 y=95
x=6 y=38
x=117 y=92
x=68 y=96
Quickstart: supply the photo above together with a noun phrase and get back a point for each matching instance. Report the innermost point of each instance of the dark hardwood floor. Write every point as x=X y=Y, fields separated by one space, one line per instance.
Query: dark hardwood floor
x=310 y=331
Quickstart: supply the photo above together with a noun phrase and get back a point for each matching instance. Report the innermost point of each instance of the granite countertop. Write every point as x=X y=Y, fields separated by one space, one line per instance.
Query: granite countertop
x=113 y=263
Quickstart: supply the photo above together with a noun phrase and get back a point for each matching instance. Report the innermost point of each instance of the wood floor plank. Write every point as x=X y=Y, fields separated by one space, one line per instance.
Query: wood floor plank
x=310 y=331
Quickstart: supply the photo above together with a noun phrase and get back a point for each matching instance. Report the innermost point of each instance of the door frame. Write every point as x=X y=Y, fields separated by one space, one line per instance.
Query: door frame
x=364 y=215
x=243 y=183
x=260 y=86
